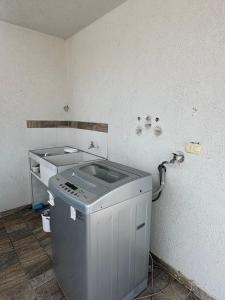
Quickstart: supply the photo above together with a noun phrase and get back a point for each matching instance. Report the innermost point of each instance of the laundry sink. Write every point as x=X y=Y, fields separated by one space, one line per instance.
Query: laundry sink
x=54 y=151
x=103 y=173
x=55 y=160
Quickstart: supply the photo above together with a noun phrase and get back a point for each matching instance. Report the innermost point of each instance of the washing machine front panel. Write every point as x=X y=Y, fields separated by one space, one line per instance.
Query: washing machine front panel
x=69 y=249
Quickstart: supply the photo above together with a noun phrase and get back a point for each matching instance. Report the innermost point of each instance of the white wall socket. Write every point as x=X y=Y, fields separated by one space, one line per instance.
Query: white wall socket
x=193 y=148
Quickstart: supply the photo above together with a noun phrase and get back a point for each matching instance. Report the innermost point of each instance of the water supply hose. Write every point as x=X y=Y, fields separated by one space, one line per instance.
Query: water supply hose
x=162 y=176
x=177 y=157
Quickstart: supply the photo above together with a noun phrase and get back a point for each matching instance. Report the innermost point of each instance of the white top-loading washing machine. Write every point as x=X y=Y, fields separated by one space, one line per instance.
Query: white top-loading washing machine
x=100 y=223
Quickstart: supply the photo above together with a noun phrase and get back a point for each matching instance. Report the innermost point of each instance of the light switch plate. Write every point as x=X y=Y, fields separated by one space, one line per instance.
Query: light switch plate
x=193 y=148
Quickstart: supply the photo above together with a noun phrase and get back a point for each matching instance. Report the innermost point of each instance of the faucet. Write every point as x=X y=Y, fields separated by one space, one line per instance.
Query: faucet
x=91 y=145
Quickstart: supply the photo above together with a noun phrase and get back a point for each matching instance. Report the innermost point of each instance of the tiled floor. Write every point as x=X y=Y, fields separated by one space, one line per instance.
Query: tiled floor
x=26 y=271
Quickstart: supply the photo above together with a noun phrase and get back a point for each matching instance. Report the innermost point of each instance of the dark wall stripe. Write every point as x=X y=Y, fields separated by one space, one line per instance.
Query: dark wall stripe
x=89 y=126
x=101 y=127
x=46 y=124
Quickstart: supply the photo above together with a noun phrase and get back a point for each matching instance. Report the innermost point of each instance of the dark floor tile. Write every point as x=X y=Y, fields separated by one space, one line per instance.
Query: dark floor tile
x=20 y=234
x=48 y=250
x=144 y=294
x=193 y=297
x=31 y=215
x=44 y=238
x=24 y=210
x=3 y=233
x=5 y=246
x=8 y=259
x=177 y=291
x=42 y=278
x=28 y=247
x=25 y=242
x=27 y=215
x=49 y=291
x=2 y=226
x=174 y=291
x=36 y=264
x=40 y=234
x=30 y=256
x=19 y=292
x=45 y=241
x=14 y=225
x=10 y=217
x=160 y=296
x=11 y=277
x=34 y=224
x=15 y=211
x=161 y=282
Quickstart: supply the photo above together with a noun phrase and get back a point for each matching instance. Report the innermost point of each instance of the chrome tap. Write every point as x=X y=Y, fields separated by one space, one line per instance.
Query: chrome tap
x=91 y=145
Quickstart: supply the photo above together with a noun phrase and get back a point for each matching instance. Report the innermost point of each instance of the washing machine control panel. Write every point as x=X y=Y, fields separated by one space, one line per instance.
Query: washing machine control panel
x=71 y=186
x=76 y=192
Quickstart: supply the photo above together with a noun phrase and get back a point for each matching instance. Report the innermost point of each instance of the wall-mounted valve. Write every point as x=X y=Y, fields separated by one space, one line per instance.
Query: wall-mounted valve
x=92 y=145
x=177 y=157
x=66 y=108
x=139 y=130
x=148 y=122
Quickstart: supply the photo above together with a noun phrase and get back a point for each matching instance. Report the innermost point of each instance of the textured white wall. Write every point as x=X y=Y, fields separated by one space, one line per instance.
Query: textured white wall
x=32 y=86
x=166 y=59
x=81 y=139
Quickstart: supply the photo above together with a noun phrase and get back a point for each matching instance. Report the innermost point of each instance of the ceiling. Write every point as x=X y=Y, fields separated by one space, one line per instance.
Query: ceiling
x=61 y=18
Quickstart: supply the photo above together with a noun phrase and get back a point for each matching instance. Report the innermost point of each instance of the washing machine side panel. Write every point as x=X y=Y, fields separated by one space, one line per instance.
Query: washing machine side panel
x=101 y=267
x=142 y=237
x=118 y=249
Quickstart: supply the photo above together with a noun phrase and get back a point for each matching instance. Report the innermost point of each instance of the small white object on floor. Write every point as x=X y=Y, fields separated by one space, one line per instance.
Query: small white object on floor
x=46 y=220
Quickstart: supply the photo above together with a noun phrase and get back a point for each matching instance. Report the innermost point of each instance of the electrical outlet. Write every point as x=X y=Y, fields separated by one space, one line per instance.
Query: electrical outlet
x=193 y=148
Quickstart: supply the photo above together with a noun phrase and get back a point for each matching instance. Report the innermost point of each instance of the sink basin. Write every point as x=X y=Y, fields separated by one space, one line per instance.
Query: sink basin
x=103 y=173
x=73 y=158
x=55 y=160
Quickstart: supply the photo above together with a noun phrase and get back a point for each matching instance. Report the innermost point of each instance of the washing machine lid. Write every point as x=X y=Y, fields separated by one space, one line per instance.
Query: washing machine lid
x=109 y=175
x=104 y=173
x=95 y=185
